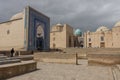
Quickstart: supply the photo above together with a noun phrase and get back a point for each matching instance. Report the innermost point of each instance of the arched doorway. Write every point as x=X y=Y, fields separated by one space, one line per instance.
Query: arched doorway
x=39 y=36
x=81 y=44
x=102 y=45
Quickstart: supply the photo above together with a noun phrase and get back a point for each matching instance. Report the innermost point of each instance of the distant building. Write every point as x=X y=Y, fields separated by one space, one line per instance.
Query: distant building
x=28 y=30
x=62 y=36
x=103 y=37
x=78 y=38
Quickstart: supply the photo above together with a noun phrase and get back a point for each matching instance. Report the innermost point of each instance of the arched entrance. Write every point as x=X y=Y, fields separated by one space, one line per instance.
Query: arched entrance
x=102 y=45
x=39 y=36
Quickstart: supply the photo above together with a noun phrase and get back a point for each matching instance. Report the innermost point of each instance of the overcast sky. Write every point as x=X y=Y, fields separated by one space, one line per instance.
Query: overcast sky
x=82 y=14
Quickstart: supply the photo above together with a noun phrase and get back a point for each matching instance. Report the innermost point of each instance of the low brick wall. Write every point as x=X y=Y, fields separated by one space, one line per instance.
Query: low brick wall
x=103 y=59
x=56 y=58
x=10 y=70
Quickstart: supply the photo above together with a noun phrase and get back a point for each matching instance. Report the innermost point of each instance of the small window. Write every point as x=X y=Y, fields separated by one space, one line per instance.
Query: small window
x=89 y=39
x=102 y=38
x=8 y=32
x=54 y=45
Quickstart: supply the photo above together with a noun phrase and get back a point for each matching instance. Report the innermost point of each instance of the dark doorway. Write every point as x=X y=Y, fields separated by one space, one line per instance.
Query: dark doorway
x=102 y=44
x=39 y=43
x=39 y=36
x=70 y=41
x=90 y=44
x=81 y=44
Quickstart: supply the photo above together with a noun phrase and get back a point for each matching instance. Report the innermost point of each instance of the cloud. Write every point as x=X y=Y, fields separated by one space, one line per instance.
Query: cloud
x=83 y=14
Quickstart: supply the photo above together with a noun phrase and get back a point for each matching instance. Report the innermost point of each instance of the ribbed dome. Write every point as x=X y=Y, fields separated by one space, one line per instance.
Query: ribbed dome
x=77 y=32
x=102 y=28
x=117 y=24
x=16 y=16
x=59 y=24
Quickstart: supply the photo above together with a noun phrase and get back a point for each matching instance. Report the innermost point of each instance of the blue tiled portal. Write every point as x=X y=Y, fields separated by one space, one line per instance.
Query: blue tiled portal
x=33 y=19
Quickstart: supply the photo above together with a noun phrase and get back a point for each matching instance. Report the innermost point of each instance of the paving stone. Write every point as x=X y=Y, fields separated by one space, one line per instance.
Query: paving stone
x=52 y=71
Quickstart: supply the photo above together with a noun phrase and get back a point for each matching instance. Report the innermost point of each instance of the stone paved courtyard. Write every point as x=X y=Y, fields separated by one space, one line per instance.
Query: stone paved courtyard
x=52 y=71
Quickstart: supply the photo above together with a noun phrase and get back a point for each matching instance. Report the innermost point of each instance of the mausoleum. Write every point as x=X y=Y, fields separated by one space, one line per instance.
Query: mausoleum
x=27 y=30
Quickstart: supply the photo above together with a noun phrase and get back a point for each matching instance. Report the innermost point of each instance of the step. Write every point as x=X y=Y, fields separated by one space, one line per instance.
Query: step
x=9 y=61
x=11 y=70
x=3 y=58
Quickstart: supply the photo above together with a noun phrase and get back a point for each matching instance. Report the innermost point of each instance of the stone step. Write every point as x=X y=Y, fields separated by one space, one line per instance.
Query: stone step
x=6 y=58
x=1 y=54
x=3 y=58
x=11 y=70
x=9 y=61
x=24 y=57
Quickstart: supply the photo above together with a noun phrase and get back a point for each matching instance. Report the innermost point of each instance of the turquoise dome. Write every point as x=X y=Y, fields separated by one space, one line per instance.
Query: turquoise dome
x=77 y=32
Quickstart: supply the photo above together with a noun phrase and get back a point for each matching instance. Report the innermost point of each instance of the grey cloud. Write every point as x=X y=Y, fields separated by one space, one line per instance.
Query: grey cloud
x=83 y=14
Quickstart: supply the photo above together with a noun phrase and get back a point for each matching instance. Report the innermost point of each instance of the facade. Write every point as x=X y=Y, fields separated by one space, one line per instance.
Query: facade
x=61 y=36
x=78 y=38
x=103 y=37
x=28 y=30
